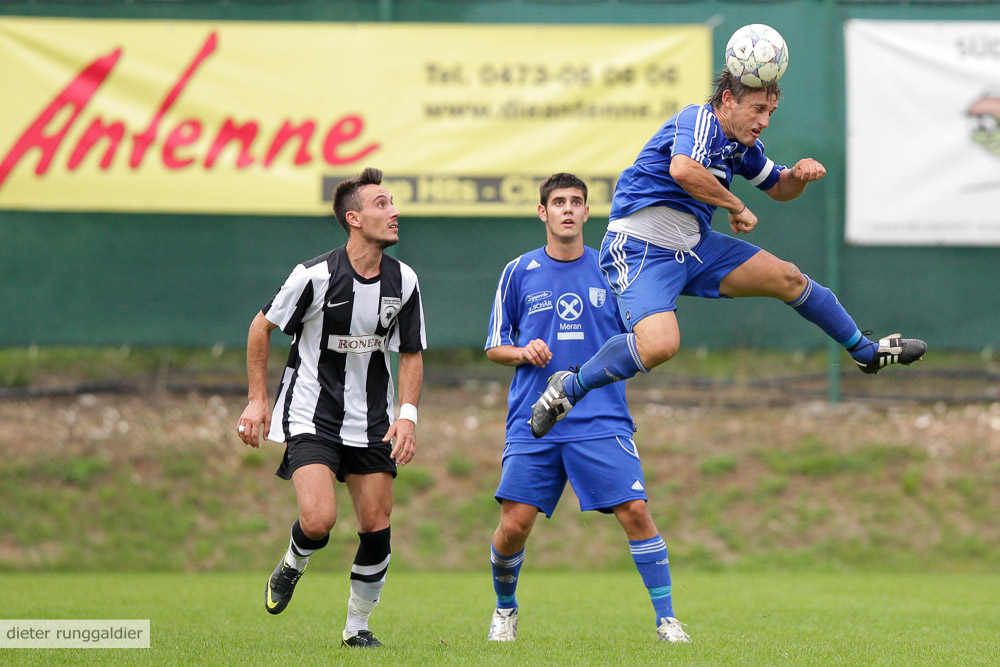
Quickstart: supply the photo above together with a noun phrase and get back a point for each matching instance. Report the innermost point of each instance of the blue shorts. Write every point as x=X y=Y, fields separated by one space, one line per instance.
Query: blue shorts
x=604 y=473
x=648 y=278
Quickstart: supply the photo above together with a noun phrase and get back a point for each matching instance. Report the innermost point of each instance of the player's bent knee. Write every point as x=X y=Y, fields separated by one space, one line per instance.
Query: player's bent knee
x=515 y=529
x=373 y=522
x=783 y=281
x=633 y=510
x=657 y=338
x=317 y=524
x=658 y=352
x=634 y=516
x=793 y=279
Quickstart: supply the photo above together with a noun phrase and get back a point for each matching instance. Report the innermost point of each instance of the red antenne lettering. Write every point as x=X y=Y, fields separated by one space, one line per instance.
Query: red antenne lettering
x=230 y=131
x=346 y=129
x=304 y=132
x=184 y=134
x=76 y=95
x=142 y=141
x=97 y=130
x=342 y=144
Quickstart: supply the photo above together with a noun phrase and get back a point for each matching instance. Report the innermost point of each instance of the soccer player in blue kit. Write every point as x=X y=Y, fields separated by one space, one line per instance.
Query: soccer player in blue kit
x=660 y=244
x=551 y=308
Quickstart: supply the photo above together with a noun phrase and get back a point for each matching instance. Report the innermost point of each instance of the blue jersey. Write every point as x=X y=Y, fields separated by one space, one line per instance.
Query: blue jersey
x=566 y=305
x=693 y=131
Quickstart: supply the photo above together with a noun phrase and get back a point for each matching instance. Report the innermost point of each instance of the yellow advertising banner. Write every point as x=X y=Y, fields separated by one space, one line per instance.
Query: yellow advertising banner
x=266 y=118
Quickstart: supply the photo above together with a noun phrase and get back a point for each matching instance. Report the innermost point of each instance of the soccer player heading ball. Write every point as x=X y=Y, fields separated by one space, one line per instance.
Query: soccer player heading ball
x=660 y=244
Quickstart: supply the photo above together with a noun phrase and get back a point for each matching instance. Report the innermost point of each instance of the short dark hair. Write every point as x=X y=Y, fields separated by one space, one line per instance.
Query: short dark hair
x=345 y=197
x=726 y=81
x=560 y=180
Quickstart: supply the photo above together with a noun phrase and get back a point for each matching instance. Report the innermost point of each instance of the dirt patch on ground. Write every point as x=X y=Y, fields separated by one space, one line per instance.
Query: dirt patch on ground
x=735 y=474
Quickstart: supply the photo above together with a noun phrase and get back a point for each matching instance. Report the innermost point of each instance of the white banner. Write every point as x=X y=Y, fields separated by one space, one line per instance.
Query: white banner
x=923 y=132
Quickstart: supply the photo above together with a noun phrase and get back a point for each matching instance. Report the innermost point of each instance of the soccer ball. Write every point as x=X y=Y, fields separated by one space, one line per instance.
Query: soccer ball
x=756 y=55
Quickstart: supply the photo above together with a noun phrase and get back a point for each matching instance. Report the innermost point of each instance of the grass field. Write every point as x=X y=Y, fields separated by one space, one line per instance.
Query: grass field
x=801 y=532
x=566 y=618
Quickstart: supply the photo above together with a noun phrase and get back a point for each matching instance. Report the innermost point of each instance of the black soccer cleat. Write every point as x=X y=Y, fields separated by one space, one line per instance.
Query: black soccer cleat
x=364 y=639
x=550 y=407
x=280 y=587
x=894 y=349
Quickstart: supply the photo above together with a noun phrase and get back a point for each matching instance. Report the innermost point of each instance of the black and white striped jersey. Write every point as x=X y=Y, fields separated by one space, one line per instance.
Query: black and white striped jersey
x=337 y=384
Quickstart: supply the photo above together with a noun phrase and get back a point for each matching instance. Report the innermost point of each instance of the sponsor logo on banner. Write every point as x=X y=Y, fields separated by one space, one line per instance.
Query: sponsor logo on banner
x=263 y=118
x=985 y=113
x=387 y=311
x=356 y=344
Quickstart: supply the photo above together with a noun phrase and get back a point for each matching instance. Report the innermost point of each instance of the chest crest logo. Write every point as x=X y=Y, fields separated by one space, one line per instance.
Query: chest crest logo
x=388 y=309
x=569 y=306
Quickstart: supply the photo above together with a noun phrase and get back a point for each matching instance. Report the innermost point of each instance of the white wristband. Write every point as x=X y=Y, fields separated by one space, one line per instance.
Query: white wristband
x=408 y=411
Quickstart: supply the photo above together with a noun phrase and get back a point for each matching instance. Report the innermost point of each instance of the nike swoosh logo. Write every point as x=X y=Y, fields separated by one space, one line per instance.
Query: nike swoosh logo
x=331 y=304
x=270 y=603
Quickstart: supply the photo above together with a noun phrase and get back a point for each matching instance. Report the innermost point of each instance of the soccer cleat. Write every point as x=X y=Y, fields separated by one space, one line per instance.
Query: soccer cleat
x=364 y=639
x=280 y=587
x=503 y=627
x=550 y=407
x=670 y=630
x=894 y=349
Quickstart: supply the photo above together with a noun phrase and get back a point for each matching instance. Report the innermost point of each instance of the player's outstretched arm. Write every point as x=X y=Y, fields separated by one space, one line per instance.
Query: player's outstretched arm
x=699 y=182
x=536 y=353
x=792 y=182
x=255 y=421
x=703 y=186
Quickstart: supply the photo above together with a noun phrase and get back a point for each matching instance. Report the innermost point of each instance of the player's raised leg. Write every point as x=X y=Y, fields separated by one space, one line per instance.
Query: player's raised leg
x=314 y=485
x=645 y=293
x=372 y=496
x=766 y=275
x=653 y=340
x=506 y=558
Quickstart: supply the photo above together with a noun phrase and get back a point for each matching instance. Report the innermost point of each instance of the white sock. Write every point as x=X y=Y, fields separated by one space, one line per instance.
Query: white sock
x=295 y=561
x=358 y=611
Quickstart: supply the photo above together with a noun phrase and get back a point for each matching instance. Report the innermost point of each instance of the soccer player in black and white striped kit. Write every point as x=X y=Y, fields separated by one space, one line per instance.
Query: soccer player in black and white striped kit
x=345 y=311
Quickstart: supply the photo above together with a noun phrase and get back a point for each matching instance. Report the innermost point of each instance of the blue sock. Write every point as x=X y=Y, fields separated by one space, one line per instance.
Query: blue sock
x=505 y=571
x=820 y=306
x=617 y=360
x=651 y=559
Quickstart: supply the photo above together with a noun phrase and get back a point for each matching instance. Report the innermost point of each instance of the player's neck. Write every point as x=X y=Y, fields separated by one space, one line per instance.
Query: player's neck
x=565 y=252
x=365 y=257
x=722 y=115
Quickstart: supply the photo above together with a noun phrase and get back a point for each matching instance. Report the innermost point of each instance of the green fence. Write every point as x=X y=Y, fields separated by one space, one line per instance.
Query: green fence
x=90 y=278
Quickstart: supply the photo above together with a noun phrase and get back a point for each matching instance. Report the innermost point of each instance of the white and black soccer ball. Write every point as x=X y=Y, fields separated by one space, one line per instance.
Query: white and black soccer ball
x=757 y=55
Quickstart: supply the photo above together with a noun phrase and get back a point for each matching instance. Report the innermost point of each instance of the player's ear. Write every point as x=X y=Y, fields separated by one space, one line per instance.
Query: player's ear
x=543 y=214
x=728 y=99
x=353 y=218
